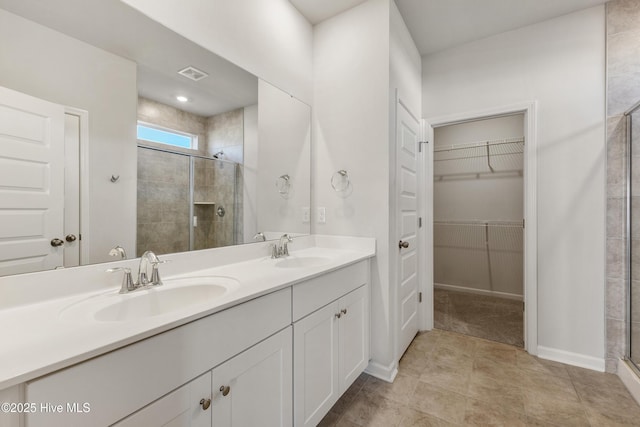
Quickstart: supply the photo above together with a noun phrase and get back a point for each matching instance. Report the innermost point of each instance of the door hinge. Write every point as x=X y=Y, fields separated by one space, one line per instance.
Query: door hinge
x=420 y=145
x=522 y=305
x=419 y=296
x=419 y=222
x=522 y=222
x=79 y=236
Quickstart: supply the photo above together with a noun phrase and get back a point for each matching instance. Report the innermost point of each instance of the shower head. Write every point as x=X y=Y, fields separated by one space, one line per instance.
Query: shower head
x=218 y=155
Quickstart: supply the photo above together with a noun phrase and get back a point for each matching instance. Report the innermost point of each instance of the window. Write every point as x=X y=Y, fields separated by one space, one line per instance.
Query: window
x=160 y=135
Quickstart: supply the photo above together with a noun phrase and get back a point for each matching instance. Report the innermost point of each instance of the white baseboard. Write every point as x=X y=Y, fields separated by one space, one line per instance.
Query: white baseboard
x=629 y=379
x=385 y=373
x=569 y=358
x=456 y=288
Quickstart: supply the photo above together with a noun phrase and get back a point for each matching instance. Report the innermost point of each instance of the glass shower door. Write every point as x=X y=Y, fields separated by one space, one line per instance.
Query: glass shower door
x=633 y=235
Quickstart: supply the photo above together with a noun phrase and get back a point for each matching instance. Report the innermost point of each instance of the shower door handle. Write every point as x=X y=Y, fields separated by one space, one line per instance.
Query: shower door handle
x=403 y=245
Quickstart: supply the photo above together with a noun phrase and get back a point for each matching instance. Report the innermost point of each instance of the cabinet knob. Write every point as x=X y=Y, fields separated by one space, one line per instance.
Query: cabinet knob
x=403 y=245
x=56 y=242
x=205 y=403
x=71 y=238
x=338 y=315
x=343 y=311
x=225 y=389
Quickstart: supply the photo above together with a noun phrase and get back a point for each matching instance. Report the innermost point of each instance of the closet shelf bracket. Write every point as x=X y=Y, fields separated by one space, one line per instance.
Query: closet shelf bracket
x=489 y=158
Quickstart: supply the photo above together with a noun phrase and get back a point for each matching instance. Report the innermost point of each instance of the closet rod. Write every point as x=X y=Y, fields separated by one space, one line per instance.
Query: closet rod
x=482 y=144
x=479 y=223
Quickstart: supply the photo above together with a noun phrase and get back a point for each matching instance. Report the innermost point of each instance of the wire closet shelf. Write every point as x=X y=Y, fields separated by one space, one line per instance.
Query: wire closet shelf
x=479 y=149
x=481 y=223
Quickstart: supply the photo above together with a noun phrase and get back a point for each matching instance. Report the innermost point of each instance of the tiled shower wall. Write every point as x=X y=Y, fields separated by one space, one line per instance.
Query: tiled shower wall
x=623 y=91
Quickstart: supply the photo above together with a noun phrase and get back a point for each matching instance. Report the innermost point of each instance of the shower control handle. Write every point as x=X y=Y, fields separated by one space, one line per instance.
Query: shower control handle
x=403 y=245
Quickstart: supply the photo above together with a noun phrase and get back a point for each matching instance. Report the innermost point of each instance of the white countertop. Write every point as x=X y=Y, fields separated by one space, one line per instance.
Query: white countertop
x=38 y=340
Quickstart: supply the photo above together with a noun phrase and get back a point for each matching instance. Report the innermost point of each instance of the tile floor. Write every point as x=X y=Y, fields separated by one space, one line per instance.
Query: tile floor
x=449 y=379
x=482 y=316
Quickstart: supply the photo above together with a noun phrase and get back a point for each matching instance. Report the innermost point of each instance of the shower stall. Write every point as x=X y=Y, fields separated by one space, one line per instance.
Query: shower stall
x=185 y=202
x=633 y=235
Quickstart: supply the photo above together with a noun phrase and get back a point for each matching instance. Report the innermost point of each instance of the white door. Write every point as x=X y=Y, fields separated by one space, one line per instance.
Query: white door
x=255 y=387
x=407 y=141
x=71 y=190
x=31 y=183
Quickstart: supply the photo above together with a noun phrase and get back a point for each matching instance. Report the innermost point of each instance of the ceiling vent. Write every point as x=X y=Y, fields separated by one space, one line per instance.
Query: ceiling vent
x=193 y=73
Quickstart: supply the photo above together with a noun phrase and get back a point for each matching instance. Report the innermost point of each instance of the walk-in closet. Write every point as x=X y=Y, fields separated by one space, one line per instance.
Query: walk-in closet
x=478 y=182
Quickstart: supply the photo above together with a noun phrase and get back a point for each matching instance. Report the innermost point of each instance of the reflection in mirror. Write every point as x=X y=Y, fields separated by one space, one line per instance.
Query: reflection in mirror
x=106 y=68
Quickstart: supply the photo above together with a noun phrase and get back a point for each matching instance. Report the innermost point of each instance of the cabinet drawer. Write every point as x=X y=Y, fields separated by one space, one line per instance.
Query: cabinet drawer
x=320 y=291
x=118 y=383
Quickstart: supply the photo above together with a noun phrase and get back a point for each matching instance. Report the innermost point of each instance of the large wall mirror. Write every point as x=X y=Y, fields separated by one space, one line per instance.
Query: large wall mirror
x=147 y=141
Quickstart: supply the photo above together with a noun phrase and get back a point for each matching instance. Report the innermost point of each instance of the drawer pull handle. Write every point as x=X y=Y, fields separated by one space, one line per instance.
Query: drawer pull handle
x=205 y=403
x=225 y=389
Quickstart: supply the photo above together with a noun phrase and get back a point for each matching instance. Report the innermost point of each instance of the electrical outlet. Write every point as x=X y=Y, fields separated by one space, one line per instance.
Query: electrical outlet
x=306 y=214
x=322 y=215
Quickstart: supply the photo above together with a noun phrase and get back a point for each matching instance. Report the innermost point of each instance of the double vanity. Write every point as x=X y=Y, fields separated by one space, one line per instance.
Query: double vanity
x=231 y=337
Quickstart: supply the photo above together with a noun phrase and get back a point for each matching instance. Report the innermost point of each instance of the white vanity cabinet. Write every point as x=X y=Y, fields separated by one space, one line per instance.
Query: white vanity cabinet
x=119 y=383
x=331 y=344
x=278 y=360
x=251 y=389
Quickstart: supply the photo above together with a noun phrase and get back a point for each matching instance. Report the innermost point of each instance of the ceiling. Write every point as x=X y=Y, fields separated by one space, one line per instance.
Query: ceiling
x=441 y=24
x=158 y=52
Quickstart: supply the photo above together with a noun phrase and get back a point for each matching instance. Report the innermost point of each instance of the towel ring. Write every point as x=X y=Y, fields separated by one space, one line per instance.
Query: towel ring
x=340 y=181
x=283 y=184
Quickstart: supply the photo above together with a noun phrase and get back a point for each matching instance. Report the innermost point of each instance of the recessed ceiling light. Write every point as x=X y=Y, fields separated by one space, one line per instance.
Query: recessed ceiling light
x=182 y=98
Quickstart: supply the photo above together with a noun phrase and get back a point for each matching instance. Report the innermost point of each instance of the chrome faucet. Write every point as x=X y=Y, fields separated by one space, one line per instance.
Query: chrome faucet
x=118 y=251
x=282 y=248
x=143 y=278
x=129 y=285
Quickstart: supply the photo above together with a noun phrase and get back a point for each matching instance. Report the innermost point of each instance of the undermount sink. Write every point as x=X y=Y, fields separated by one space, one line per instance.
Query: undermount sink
x=303 y=261
x=174 y=295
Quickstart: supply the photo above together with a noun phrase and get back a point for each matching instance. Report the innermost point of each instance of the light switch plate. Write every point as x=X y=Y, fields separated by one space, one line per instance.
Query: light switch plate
x=306 y=214
x=322 y=215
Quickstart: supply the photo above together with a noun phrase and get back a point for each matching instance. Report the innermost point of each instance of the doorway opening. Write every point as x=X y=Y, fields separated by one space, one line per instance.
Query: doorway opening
x=478 y=228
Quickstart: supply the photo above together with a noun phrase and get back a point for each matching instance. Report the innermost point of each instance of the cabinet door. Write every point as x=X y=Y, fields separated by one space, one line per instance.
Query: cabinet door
x=180 y=408
x=254 y=388
x=315 y=365
x=354 y=335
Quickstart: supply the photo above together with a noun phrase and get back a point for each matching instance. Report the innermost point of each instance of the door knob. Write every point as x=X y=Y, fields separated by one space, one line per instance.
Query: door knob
x=402 y=244
x=205 y=403
x=70 y=238
x=56 y=242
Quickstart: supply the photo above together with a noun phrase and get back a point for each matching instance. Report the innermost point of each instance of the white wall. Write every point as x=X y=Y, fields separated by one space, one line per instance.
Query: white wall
x=360 y=58
x=284 y=148
x=350 y=132
x=465 y=189
x=560 y=63
x=270 y=39
x=49 y=65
